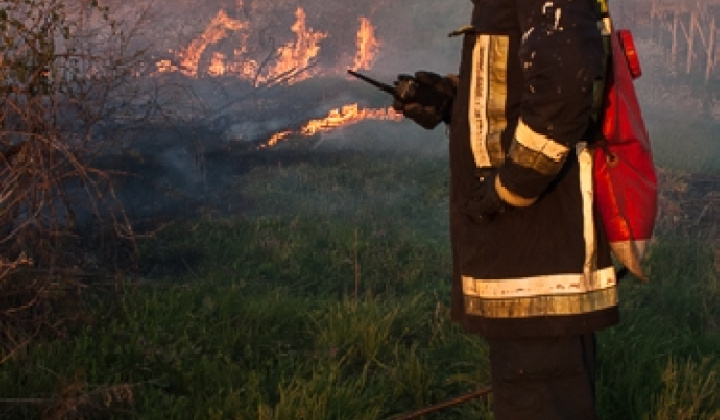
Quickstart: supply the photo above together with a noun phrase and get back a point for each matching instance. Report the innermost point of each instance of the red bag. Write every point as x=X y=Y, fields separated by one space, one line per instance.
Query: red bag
x=624 y=173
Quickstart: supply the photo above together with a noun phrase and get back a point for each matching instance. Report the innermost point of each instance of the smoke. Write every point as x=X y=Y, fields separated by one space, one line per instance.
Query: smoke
x=415 y=36
x=381 y=137
x=411 y=35
x=221 y=117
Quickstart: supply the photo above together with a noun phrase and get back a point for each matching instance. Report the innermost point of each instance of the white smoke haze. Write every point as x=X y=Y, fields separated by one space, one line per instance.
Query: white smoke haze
x=187 y=39
x=209 y=63
x=209 y=66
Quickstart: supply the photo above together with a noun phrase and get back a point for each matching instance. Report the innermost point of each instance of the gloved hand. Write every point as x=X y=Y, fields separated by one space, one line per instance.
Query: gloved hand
x=425 y=98
x=485 y=203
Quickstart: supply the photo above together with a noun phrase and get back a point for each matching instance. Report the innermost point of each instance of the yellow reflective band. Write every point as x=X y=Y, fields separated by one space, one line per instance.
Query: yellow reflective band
x=555 y=284
x=510 y=197
x=535 y=151
x=585 y=157
x=488 y=99
x=540 y=143
x=553 y=305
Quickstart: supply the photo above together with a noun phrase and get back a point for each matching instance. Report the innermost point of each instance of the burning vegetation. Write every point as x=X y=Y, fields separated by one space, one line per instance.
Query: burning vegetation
x=288 y=64
x=336 y=118
x=94 y=101
x=157 y=116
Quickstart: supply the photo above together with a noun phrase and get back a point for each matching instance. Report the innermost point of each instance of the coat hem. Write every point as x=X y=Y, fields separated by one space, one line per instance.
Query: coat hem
x=544 y=326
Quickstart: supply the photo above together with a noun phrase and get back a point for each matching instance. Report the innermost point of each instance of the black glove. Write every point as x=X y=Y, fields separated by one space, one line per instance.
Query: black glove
x=425 y=98
x=485 y=203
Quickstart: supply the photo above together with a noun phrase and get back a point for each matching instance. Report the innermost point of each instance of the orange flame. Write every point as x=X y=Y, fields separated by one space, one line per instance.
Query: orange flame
x=217 y=64
x=292 y=64
x=336 y=118
x=367 y=45
x=293 y=61
x=213 y=33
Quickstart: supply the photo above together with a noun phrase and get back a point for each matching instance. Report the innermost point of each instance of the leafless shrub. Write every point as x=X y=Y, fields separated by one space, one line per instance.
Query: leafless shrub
x=65 y=67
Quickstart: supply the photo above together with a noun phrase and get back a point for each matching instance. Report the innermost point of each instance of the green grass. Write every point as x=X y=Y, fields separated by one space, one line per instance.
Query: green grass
x=658 y=363
x=328 y=299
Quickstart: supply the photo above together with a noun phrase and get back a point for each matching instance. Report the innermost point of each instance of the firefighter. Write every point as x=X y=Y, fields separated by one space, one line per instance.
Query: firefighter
x=532 y=271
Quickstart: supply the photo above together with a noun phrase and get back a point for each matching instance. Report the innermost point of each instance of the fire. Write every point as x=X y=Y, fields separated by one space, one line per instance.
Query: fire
x=290 y=63
x=217 y=64
x=213 y=33
x=367 y=45
x=336 y=118
x=295 y=59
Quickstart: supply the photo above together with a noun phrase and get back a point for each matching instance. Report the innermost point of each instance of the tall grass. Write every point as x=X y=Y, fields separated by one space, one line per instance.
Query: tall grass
x=328 y=299
x=658 y=362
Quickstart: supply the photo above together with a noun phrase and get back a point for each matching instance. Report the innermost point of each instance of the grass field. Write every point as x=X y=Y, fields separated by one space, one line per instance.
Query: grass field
x=326 y=297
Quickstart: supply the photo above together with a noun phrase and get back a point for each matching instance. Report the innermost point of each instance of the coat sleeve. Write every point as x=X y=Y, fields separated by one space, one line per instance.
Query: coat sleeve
x=561 y=56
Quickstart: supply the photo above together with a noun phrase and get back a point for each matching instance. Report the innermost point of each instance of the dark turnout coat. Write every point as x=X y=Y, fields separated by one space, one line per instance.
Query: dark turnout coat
x=523 y=109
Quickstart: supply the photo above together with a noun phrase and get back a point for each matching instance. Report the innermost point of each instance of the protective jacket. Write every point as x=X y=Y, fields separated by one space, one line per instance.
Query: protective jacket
x=522 y=112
